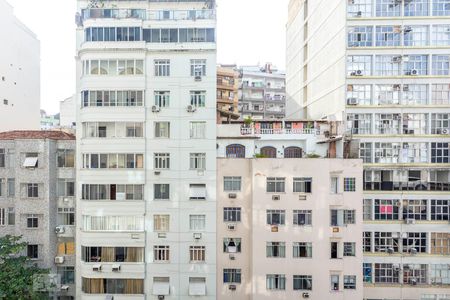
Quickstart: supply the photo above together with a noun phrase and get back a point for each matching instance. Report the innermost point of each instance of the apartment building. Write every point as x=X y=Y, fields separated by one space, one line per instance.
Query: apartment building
x=146 y=115
x=287 y=227
x=262 y=93
x=227 y=94
x=37 y=199
x=19 y=73
x=382 y=66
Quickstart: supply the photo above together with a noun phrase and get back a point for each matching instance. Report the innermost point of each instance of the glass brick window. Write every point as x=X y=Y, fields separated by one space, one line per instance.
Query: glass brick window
x=365 y=152
x=359 y=8
x=302 y=185
x=162 y=98
x=231 y=214
x=302 y=282
x=441 y=64
x=162 y=67
x=441 y=7
x=415 y=240
x=440 y=243
x=414 y=273
x=349 y=184
x=275 y=282
x=387 y=36
x=359 y=123
x=360 y=94
x=367 y=272
x=302 y=250
x=415 y=36
x=302 y=217
x=385 y=241
x=387 y=65
x=440 y=35
x=198 y=67
x=415 y=123
x=416 y=8
x=232 y=183
x=276 y=217
x=349 y=282
x=388 y=8
x=386 y=209
x=440 y=274
x=440 y=152
x=349 y=249
x=198 y=98
x=415 y=209
x=440 y=210
x=275 y=184
x=360 y=36
x=440 y=123
x=387 y=123
x=415 y=65
x=359 y=65
x=386 y=273
x=387 y=94
x=231 y=275
x=276 y=249
x=440 y=94
x=415 y=94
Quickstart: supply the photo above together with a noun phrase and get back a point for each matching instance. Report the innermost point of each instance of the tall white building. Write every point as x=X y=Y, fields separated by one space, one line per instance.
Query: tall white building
x=383 y=66
x=19 y=74
x=146 y=140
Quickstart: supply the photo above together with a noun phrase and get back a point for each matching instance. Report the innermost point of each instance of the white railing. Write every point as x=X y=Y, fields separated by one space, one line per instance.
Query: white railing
x=254 y=131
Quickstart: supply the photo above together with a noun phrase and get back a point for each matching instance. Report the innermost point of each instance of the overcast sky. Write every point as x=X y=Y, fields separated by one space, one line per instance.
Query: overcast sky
x=249 y=32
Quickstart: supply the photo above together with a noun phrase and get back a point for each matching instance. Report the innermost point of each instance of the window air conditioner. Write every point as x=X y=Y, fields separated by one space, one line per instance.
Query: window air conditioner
x=97 y=268
x=359 y=14
x=191 y=108
x=410 y=221
x=197 y=235
x=413 y=251
x=274 y=228
x=407 y=29
x=59 y=229
x=198 y=78
x=302 y=197
x=156 y=108
x=305 y=295
x=414 y=72
x=445 y=131
x=352 y=101
x=59 y=259
x=232 y=195
x=276 y=197
x=232 y=287
x=231 y=226
x=232 y=257
x=162 y=235
x=161 y=297
x=115 y=268
x=390 y=250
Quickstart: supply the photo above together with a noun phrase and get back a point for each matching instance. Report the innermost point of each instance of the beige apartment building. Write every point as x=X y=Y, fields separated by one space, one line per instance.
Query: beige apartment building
x=287 y=227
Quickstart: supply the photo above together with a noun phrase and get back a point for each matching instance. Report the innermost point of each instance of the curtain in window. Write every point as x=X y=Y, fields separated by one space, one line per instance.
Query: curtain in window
x=135 y=255
x=108 y=254
x=134 y=286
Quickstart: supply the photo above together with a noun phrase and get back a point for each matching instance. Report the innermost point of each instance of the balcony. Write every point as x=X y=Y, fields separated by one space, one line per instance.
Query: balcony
x=407 y=186
x=256 y=131
x=148 y=15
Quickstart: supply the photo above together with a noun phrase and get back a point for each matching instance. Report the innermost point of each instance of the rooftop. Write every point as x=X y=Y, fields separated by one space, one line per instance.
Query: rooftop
x=36 y=135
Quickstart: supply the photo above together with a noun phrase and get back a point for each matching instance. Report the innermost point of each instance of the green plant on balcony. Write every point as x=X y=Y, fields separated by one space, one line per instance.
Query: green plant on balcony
x=259 y=155
x=313 y=155
x=248 y=121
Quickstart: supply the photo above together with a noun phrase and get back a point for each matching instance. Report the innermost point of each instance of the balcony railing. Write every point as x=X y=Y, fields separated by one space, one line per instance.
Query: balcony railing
x=407 y=186
x=253 y=131
x=152 y=15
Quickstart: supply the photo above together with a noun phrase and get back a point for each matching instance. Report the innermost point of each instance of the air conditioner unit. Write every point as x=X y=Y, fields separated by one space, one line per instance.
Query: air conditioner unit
x=156 y=108
x=302 y=197
x=232 y=287
x=305 y=295
x=232 y=195
x=162 y=235
x=232 y=257
x=161 y=297
x=352 y=101
x=413 y=72
x=410 y=221
x=64 y=288
x=405 y=88
x=191 y=108
x=413 y=251
x=390 y=250
x=407 y=29
x=197 y=235
x=115 y=268
x=198 y=78
x=445 y=131
x=396 y=267
x=359 y=14
x=357 y=73
x=60 y=229
x=97 y=268
x=276 y=197
x=59 y=259
x=157 y=172
x=231 y=226
x=413 y=281
x=274 y=228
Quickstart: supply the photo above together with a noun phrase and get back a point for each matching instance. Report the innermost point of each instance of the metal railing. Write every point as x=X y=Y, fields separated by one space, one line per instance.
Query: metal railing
x=252 y=131
x=143 y=14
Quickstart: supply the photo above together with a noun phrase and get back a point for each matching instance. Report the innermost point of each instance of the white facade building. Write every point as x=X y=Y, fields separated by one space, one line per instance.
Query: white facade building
x=67 y=112
x=19 y=74
x=383 y=66
x=146 y=140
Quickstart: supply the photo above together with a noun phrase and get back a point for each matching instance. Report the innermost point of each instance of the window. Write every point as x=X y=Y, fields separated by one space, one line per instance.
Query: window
x=359 y=123
x=112 y=254
x=235 y=151
x=231 y=275
x=415 y=209
x=112 y=286
x=365 y=152
x=197 y=222
x=197 y=286
x=440 y=210
x=161 y=191
x=415 y=94
x=161 y=253
x=66 y=188
x=66 y=216
x=119 y=192
x=198 y=98
x=268 y=152
x=113 y=223
x=359 y=65
x=387 y=94
x=113 y=161
x=162 y=160
x=113 y=67
x=440 y=243
x=415 y=123
x=359 y=8
x=386 y=241
x=132 y=129
x=359 y=93
x=349 y=184
x=416 y=8
x=349 y=249
x=387 y=8
x=441 y=8
x=388 y=36
x=112 y=98
x=302 y=217
x=232 y=183
x=386 y=209
x=360 y=36
x=67 y=274
x=440 y=152
x=415 y=240
x=342 y=217
x=334 y=185
x=197 y=161
x=441 y=64
x=367 y=241
x=367 y=272
x=367 y=209
x=415 y=36
x=275 y=185
x=232 y=245
x=349 y=217
x=415 y=65
x=276 y=217
x=275 y=249
x=162 y=98
x=197 y=191
x=198 y=67
x=2 y=217
x=387 y=152
x=31 y=160
x=293 y=152
x=231 y=214
x=440 y=35
x=349 y=282
x=302 y=250
x=440 y=123
x=302 y=282
x=162 y=129
x=112 y=34
x=2 y=158
x=334 y=250
x=334 y=280
x=32 y=190
x=197 y=130
x=440 y=93
x=33 y=251
x=11 y=216
x=387 y=65
x=161 y=223
x=440 y=274
x=197 y=253
x=275 y=282
x=162 y=68
x=302 y=185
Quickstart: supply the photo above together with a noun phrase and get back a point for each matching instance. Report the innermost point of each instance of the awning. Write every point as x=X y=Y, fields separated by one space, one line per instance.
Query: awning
x=197 y=287
x=161 y=288
x=30 y=162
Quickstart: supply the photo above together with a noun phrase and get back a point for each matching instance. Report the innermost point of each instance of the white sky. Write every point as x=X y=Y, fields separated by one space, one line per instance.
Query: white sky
x=249 y=32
